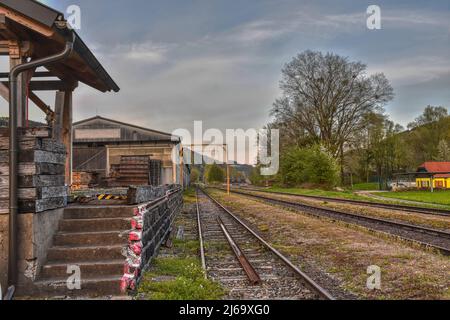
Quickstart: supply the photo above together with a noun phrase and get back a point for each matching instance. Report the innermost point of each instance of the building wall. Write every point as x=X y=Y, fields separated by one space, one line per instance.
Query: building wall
x=438 y=183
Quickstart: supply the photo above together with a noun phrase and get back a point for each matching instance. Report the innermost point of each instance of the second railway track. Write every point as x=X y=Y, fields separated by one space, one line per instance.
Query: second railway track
x=391 y=206
x=427 y=237
x=243 y=262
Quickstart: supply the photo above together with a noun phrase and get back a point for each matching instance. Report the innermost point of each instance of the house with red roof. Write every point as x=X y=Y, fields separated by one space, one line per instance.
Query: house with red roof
x=433 y=174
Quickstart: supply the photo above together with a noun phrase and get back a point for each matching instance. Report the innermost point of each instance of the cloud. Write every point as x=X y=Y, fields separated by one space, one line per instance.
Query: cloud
x=414 y=70
x=147 y=52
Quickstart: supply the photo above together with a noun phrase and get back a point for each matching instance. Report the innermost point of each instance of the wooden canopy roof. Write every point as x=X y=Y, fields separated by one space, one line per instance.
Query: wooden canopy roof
x=42 y=31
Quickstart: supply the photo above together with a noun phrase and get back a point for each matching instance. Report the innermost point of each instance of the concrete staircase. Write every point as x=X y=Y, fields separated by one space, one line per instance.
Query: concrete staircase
x=88 y=237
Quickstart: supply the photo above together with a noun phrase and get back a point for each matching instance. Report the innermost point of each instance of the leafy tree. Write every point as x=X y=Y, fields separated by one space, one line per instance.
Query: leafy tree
x=443 y=151
x=215 y=174
x=256 y=178
x=309 y=165
x=195 y=175
x=325 y=97
x=430 y=115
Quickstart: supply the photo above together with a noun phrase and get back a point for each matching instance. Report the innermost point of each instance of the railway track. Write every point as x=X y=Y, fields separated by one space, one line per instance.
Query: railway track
x=411 y=209
x=438 y=240
x=243 y=262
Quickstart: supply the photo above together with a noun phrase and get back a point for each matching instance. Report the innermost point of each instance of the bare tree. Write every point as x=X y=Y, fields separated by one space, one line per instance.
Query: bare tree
x=325 y=96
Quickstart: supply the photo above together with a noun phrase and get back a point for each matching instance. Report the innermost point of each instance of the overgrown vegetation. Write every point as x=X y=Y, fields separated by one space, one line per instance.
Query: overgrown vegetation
x=178 y=275
x=215 y=174
x=189 y=195
x=179 y=279
x=314 y=165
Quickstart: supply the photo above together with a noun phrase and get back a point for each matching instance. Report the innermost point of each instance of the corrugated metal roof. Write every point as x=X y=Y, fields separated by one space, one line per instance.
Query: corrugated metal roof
x=435 y=166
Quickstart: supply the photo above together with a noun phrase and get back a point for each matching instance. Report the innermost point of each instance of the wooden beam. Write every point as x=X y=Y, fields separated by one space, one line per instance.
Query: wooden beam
x=58 y=119
x=49 y=85
x=21 y=90
x=67 y=135
x=37 y=74
x=27 y=22
x=43 y=106
x=4 y=93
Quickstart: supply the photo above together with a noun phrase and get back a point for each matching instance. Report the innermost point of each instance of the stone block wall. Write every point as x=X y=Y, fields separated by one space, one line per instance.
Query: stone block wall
x=151 y=226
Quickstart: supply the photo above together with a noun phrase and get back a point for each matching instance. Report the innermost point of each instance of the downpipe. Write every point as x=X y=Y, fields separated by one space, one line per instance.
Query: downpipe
x=14 y=150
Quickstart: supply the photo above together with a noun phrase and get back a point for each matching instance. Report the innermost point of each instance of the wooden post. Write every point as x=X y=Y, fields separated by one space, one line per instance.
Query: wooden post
x=59 y=112
x=67 y=134
x=228 y=170
x=15 y=60
x=108 y=162
x=181 y=167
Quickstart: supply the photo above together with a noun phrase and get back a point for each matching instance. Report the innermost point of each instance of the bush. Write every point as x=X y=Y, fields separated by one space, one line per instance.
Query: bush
x=195 y=175
x=313 y=165
x=215 y=174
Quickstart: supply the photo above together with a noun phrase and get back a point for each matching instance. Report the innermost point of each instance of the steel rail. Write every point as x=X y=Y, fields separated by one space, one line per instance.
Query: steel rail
x=200 y=236
x=308 y=282
x=252 y=275
x=313 y=210
x=411 y=209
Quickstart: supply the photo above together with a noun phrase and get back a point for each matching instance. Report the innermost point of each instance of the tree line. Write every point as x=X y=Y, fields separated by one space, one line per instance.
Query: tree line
x=333 y=125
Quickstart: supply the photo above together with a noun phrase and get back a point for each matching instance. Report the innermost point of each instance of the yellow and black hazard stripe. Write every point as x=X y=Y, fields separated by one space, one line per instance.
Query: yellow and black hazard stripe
x=110 y=197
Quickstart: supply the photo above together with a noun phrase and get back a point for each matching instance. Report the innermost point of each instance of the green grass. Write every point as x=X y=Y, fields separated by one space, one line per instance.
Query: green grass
x=435 y=200
x=317 y=192
x=437 y=197
x=189 y=195
x=366 y=186
x=183 y=280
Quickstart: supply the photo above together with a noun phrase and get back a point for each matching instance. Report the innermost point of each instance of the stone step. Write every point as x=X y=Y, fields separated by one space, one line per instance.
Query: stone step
x=92 y=287
x=89 y=238
x=86 y=212
x=84 y=253
x=91 y=225
x=88 y=269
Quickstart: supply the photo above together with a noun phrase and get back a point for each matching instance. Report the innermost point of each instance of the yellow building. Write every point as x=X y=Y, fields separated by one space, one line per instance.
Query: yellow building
x=435 y=174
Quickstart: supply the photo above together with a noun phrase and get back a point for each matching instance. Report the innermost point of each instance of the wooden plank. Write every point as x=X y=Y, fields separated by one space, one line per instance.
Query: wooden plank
x=52 y=146
x=40 y=193
x=29 y=169
x=35 y=181
x=27 y=206
x=41 y=181
x=37 y=156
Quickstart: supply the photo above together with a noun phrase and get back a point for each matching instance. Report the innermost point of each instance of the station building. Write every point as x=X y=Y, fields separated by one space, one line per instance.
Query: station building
x=433 y=174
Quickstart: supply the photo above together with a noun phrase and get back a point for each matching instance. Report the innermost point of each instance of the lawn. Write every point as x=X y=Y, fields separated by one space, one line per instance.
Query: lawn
x=429 y=200
x=438 y=197
x=366 y=186
x=317 y=192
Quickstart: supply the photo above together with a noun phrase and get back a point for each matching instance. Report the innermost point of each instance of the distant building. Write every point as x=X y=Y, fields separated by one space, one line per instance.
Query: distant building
x=433 y=174
x=122 y=154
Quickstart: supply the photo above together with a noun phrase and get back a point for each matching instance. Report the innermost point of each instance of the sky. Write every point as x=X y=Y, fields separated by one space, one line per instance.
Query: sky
x=220 y=61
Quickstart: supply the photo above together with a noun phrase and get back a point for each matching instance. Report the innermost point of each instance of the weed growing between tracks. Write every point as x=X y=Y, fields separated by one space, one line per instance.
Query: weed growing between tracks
x=189 y=196
x=179 y=279
x=177 y=273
